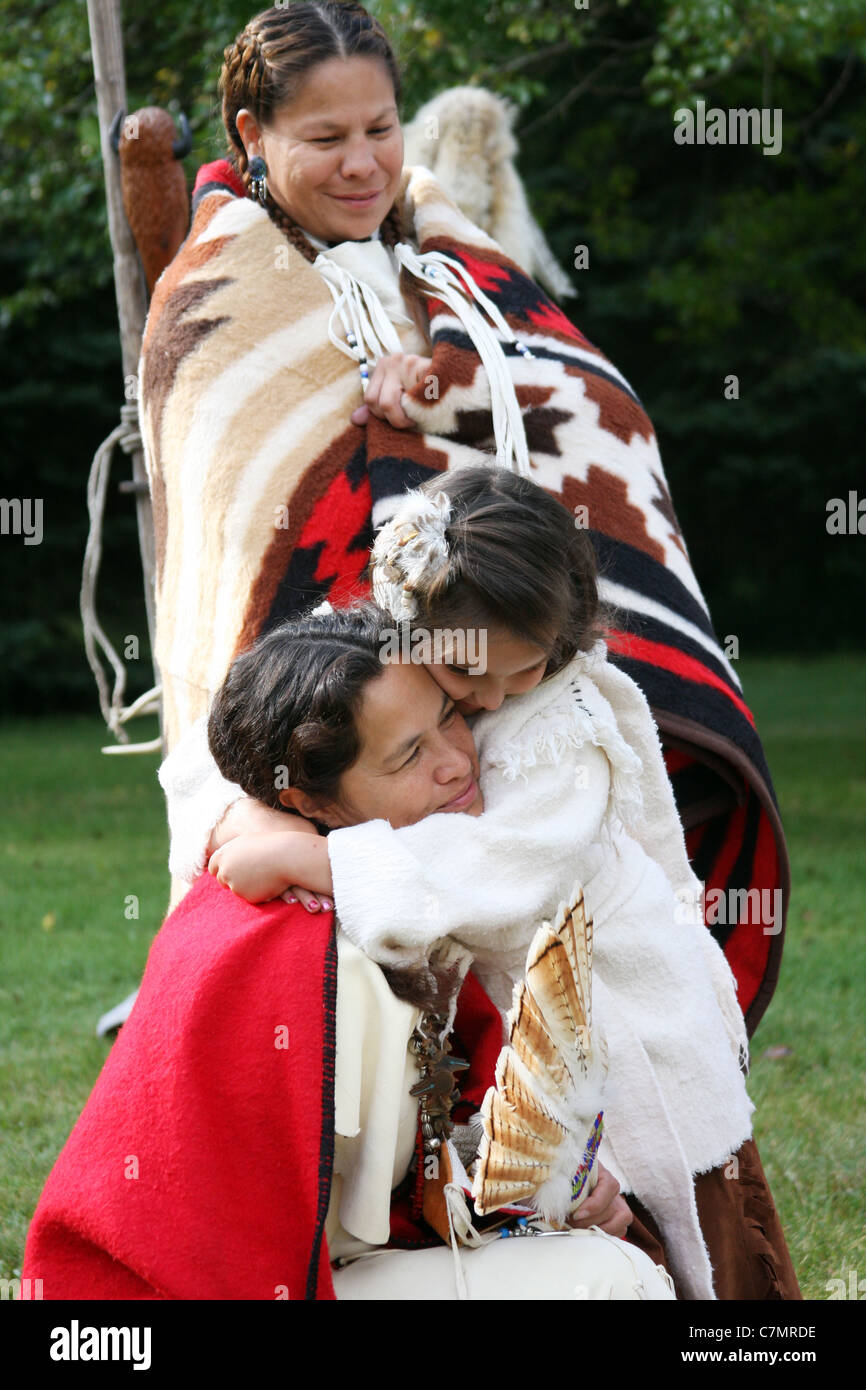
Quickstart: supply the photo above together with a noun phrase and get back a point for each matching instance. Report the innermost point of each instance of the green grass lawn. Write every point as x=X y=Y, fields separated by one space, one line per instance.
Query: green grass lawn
x=810 y=1117
x=83 y=845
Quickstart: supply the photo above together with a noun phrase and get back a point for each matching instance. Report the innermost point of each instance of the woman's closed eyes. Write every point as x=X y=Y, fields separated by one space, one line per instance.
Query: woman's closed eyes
x=380 y=131
x=447 y=718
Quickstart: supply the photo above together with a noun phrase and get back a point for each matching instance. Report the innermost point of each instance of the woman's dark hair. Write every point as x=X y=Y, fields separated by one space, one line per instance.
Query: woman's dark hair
x=285 y=715
x=517 y=562
x=268 y=62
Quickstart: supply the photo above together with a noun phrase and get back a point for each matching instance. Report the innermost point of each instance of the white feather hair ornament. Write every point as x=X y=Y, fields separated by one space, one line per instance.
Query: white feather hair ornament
x=542 y=1119
x=409 y=548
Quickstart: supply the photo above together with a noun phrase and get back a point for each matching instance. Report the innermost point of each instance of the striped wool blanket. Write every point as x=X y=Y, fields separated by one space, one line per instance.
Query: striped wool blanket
x=266 y=497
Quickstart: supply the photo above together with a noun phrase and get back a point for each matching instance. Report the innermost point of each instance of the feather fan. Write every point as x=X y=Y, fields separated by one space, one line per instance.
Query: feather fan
x=541 y=1120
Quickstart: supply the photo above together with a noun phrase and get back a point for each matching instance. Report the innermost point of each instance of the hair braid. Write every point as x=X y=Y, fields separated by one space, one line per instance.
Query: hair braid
x=242 y=82
x=391 y=230
x=291 y=231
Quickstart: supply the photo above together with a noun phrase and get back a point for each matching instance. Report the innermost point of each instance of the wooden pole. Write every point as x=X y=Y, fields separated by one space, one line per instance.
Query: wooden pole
x=106 y=43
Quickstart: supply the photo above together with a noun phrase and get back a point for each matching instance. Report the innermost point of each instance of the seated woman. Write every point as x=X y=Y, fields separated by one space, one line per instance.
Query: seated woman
x=253 y=1120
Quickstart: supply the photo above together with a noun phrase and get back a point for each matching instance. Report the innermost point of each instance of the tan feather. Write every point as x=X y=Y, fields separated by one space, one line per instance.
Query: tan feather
x=502 y=1193
x=509 y=1169
x=527 y=1146
x=559 y=974
x=573 y=926
x=515 y=1153
x=524 y=1145
x=532 y=1042
x=518 y=1107
x=552 y=982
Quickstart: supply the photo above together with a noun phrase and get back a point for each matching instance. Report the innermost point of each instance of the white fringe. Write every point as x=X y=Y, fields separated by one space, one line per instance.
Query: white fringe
x=568 y=726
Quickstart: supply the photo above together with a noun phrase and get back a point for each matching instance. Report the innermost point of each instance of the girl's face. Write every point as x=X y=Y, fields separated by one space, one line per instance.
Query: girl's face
x=512 y=667
x=417 y=754
x=334 y=154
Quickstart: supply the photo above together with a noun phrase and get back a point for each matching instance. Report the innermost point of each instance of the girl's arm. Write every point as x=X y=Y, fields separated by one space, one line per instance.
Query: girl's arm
x=204 y=810
x=262 y=866
x=197 y=797
x=399 y=891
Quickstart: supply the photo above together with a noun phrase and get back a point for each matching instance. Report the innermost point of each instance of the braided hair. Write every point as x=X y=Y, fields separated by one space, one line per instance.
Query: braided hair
x=271 y=57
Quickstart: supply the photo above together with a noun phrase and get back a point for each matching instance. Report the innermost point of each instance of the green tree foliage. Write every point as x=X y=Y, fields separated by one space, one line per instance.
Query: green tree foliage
x=705 y=262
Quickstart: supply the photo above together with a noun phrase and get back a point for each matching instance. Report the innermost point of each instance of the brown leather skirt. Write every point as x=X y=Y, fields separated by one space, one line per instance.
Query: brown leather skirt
x=740 y=1224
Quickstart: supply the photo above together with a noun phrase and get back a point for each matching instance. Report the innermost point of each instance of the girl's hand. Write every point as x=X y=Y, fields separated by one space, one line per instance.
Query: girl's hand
x=391 y=376
x=605 y=1207
x=248 y=816
x=255 y=865
x=311 y=901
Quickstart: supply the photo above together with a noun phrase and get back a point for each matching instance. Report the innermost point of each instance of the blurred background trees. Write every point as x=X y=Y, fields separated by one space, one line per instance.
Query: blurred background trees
x=705 y=262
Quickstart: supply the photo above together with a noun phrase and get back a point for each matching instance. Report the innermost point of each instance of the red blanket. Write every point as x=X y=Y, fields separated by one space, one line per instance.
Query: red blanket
x=201 y=1165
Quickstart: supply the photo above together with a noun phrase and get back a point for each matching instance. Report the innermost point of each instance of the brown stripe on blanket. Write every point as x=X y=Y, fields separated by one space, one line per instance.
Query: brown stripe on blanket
x=196 y=254
x=605 y=497
x=663 y=504
x=158 y=378
x=473 y=427
x=161 y=367
x=158 y=372
x=619 y=412
x=541 y=419
x=384 y=443
x=451 y=366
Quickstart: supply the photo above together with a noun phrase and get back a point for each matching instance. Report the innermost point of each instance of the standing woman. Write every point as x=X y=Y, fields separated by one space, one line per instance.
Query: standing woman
x=334 y=331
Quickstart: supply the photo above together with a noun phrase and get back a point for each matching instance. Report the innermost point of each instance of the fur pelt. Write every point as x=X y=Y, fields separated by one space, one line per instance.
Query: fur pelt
x=465 y=136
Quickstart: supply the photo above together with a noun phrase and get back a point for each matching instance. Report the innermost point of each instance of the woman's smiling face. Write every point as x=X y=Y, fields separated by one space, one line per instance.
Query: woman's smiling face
x=334 y=154
x=417 y=754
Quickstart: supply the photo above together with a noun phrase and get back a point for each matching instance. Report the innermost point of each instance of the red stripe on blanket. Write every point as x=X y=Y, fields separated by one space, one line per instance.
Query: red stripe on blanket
x=694 y=840
x=670 y=659
x=550 y=318
x=748 y=946
x=676 y=760
x=720 y=874
x=718 y=880
x=488 y=275
x=334 y=523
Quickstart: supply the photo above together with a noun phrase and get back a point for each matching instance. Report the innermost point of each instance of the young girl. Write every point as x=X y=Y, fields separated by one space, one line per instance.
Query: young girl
x=574 y=787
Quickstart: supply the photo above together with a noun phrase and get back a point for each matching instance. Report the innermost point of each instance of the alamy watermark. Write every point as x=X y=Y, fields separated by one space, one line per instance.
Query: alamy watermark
x=22 y=516
x=854 y=1289
x=719 y=907
x=465 y=648
x=25 y=1289
x=77 y=1343
x=737 y=126
x=846 y=517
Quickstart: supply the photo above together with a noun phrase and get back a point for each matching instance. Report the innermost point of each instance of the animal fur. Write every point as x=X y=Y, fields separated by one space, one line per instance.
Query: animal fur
x=465 y=137
x=155 y=196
